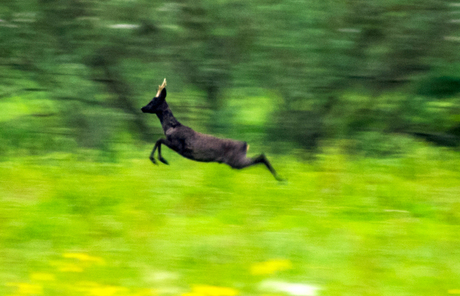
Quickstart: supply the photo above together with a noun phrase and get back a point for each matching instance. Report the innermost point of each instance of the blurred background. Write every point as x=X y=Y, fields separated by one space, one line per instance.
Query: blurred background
x=356 y=103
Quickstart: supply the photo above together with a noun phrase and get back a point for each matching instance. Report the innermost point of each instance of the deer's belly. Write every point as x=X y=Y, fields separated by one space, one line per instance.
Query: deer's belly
x=219 y=151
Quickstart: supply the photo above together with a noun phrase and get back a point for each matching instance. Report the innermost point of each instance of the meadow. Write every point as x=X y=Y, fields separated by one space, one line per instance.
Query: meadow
x=341 y=225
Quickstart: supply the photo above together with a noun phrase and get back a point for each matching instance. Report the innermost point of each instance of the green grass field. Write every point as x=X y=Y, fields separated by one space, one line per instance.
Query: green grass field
x=341 y=225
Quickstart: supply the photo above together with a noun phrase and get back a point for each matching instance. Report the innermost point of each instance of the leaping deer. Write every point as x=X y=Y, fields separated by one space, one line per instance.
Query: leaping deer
x=198 y=146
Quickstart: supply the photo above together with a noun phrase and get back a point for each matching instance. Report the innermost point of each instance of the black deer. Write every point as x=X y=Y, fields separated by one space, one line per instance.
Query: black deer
x=197 y=146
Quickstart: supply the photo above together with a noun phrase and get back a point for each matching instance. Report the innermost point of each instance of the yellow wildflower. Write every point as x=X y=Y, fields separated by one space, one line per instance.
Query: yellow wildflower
x=69 y=267
x=27 y=289
x=270 y=266
x=191 y=294
x=145 y=292
x=206 y=290
x=106 y=290
x=84 y=257
x=42 y=276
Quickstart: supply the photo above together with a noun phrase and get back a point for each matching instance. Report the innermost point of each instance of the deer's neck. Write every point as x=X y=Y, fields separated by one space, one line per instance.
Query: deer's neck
x=167 y=118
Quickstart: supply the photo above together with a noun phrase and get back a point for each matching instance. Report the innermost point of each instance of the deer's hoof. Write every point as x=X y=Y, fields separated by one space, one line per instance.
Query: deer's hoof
x=153 y=161
x=163 y=160
x=281 y=180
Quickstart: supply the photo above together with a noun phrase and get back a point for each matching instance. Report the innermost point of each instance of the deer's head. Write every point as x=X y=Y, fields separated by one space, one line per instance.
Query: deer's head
x=157 y=101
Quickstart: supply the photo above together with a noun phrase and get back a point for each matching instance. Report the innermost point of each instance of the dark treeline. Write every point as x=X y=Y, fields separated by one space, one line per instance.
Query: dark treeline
x=376 y=72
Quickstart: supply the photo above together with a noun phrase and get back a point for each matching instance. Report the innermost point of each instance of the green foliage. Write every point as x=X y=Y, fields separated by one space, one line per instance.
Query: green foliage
x=440 y=87
x=375 y=144
x=311 y=54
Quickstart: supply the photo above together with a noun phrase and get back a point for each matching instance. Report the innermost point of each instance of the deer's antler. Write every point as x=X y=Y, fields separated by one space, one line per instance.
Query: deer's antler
x=160 y=87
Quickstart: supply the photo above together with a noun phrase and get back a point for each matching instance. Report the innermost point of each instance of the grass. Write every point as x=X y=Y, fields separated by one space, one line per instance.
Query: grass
x=346 y=225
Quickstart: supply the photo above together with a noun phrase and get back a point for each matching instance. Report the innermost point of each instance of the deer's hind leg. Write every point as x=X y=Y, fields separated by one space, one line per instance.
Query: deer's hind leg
x=246 y=162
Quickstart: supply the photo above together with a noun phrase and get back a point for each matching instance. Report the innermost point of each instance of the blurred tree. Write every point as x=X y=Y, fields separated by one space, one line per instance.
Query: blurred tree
x=313 y=54
x=212 y=40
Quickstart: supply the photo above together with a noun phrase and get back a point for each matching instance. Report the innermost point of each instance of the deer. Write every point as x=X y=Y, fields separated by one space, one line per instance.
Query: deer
x=197 y=146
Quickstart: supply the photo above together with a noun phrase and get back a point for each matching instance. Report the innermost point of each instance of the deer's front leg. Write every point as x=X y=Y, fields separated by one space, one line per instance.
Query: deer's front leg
x=158 y=145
